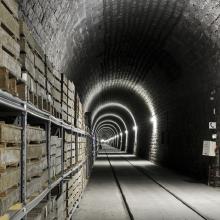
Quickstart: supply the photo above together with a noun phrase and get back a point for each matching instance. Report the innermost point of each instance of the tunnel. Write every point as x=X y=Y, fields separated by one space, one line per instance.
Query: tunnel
x=147 y=72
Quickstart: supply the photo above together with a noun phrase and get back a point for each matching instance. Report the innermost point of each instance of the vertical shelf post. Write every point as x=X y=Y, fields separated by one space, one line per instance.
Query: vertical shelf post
x=23 y=157
x=48 y=135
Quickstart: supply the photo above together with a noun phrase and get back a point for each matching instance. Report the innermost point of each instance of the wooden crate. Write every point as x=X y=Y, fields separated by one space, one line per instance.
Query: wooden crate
x=7 y=201
x=58 y=169
x=61 y=207
x=57 y=84
x=30 y=82
x=40 y=91
x=44 y=104
x=49 y=71
x=40 y=212
x=35 y=134
x=40 y=79
x=71 y=89
x=8 y=17
x=64 y=116
x=27 y=49
x=36 y=151
x=39 y=63
x=34 y=169
x=58 y=151
x=64 y=99
x=67 y=155
x=27 y=36
x=64 y=80
x=57 y=75
x=8 y=43
x=10 y=133
x=44 y=101
x=49 y=88
x=69 y=119
x=70 y=103
x=34 y=187
x=10 y=178
x=40 y=53
x=56 y=94
x=27 y=93
x=9 y=35
x=9 y=157
x=56 y=112
x=64 y=106
x=8 y=82
x=67 y=164
x=13 y=6
x=10 y=63
x=27 y=65
x=68 y=137
x=44 y=179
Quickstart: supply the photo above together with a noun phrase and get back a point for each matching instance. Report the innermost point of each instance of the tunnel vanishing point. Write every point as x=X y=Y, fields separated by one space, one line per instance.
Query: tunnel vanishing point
x=147 y=72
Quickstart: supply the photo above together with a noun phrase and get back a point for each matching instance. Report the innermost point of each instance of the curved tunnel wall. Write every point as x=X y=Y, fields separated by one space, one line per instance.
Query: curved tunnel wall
x=121 y=123
x=158 y=58
x=119 y=130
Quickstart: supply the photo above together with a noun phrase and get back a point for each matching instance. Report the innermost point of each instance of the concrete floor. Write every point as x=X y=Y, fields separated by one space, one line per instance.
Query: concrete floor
x=145 y=198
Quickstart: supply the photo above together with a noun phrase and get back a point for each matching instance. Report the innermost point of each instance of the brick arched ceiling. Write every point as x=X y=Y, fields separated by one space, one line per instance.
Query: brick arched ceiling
x=159 y=58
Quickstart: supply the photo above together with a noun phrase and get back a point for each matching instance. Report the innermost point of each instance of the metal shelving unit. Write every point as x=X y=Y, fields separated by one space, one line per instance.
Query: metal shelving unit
x=25 y=110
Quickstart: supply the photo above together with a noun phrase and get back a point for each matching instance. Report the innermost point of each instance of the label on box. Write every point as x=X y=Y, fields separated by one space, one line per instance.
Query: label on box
x=24 y=76
x=212 y=125
x=209 y=148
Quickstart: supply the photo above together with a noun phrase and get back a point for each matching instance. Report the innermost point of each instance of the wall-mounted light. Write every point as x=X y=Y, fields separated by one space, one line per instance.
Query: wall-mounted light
x=126 y=131
x=153 y=119
x=135 y=128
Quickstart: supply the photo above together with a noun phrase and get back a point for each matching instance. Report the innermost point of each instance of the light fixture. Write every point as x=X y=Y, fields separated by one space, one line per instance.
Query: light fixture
x=126 y=131
x=121 y=134
x=135 y=128
x=153 y=119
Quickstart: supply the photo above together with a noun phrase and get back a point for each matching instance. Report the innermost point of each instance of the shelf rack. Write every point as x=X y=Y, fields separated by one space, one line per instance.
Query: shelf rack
x=25 y=110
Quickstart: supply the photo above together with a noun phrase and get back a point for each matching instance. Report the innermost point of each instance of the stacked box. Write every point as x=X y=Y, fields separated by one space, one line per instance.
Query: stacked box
x=28 y=91
x=83 y=122
x=37 y=165
x=56 y=156
x=60 y=212
x=10 y=74
x=53 y=149
x=71 y=103
x=69 y=150
x=10 y=146
x=79 y=121
x=74 y=191
x=64 y=98
x=53 y=207
x=49 y=83
x=81 y=149
x=84 y=175
x=40 y=212
x=40 y=77
x=56 y=94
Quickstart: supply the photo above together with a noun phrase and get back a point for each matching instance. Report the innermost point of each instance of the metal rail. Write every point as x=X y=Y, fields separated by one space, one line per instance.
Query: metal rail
x=120 y=188
x=144 y=172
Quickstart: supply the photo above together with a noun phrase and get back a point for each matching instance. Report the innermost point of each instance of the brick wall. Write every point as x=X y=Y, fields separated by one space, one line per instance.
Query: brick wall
x=162 y=55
